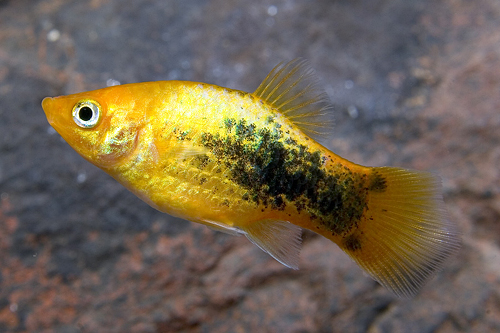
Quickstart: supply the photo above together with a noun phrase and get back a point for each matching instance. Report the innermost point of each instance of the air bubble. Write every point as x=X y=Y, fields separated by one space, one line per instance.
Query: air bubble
x=272 y=10
x=352 y=111
x=112 y=82
x=53 y=35
x=81 y=178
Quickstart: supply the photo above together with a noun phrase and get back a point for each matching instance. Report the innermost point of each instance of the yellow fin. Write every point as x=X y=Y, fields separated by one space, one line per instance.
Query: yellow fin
x=405 y=236
x=293 y=89
x=280 y=239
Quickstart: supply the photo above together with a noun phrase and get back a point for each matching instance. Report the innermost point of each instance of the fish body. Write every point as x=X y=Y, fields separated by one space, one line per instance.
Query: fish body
x=247 y=163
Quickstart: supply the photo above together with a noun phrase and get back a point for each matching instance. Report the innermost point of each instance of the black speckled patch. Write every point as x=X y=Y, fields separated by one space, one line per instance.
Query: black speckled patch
x=377 y=183
x=277 y=171
x=352 y=243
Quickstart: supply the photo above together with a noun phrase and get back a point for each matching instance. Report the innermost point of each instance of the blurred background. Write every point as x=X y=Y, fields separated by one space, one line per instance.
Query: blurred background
x=416 y=84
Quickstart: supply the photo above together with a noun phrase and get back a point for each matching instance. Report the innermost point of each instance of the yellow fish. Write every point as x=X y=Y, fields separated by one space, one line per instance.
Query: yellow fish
x=247 y=163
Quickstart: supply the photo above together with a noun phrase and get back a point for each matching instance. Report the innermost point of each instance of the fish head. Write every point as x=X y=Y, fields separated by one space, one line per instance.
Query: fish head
x=101 y=125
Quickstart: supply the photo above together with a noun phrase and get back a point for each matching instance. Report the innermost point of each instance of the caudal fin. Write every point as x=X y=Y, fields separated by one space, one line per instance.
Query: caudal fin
x=404 y=236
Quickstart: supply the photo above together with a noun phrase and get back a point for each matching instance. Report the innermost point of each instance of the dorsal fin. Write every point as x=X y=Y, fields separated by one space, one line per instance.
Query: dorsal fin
x=293 y=88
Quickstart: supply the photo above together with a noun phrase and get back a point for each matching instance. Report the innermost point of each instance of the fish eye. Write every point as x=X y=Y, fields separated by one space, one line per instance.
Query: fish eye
x=86 y=113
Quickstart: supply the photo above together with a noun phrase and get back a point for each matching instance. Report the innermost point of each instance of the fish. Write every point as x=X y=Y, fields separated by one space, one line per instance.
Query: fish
x=251 y=164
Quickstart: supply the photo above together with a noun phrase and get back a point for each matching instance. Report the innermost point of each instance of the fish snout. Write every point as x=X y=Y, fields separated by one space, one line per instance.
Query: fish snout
x=48 y=106
x=46 y=103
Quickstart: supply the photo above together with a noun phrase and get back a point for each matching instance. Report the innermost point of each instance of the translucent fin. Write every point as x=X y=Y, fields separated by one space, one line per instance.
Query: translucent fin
x=187 y=149
x=179 y=149
x=294 y=89
x=218 y=226
x=405 y=236
x=280 y=239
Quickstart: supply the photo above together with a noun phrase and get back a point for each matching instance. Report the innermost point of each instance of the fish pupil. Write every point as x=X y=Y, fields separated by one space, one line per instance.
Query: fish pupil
x=85 y=113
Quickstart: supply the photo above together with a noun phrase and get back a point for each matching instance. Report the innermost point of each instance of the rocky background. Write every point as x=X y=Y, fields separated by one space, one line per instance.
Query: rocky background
x=416 y=84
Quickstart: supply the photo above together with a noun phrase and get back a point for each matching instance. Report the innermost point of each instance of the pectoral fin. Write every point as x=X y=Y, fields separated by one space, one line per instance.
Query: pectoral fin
x=179 y=149
x=280 y=239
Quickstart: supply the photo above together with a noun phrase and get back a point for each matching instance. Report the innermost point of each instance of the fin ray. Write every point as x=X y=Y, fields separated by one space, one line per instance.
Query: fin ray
x=218 y=226
x=180 y=149
x=293 y=89
x=280 y=239
x=406 y=235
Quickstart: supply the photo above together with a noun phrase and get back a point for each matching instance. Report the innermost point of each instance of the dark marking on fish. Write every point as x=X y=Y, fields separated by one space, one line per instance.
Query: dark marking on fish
x=229 y=124
x=377 y=183
x=181 y=135
x=202 y=161
x=241 y=93
x=278 y=203
x=277 y=171
x=352 y=243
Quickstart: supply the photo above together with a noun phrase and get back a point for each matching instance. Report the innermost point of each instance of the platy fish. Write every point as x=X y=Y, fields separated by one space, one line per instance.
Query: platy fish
x=248 y=164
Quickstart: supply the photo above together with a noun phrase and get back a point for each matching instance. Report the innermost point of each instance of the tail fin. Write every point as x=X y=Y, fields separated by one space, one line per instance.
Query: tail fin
x=405 y=235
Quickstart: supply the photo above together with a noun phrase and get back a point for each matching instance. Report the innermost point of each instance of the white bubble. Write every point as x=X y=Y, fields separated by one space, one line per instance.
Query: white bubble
x=353 y=111
x=51 y=130
x=272 y=10
x=13 y=307
x=112 y=82
x=81 y=178
x=348 y=84
x=53 y=35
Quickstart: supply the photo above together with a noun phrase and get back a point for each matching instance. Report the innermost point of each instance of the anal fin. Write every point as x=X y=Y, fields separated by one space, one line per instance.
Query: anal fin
x=218 y=226
x=280 y=239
